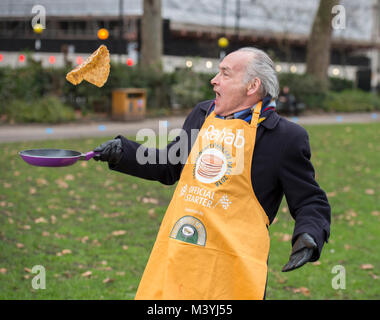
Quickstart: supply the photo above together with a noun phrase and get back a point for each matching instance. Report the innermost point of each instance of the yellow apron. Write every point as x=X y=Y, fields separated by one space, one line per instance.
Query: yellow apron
x=213 y=242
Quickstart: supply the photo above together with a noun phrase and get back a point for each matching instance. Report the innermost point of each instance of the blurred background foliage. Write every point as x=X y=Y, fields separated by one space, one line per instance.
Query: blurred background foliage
x=36 y=94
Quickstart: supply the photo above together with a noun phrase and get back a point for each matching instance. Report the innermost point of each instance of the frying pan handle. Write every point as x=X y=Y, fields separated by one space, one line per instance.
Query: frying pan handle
x=90 y=155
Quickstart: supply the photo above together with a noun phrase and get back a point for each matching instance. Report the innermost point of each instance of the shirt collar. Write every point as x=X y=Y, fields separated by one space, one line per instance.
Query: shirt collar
x=270 y=122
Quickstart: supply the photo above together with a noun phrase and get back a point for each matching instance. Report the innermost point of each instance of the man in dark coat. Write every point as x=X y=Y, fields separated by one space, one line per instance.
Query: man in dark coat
x=281 y=158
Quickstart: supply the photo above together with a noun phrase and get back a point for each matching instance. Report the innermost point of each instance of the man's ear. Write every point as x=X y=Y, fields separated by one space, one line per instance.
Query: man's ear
x=253 y=86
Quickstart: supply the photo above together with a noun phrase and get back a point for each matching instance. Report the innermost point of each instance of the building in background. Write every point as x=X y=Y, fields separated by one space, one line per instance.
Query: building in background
x=191 y=33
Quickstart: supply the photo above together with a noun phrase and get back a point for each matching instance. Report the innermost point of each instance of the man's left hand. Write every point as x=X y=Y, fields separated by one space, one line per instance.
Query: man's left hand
x=302 y=251
x=110 y=151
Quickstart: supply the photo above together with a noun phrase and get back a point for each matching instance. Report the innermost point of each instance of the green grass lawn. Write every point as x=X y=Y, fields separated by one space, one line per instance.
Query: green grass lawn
x=93 y=229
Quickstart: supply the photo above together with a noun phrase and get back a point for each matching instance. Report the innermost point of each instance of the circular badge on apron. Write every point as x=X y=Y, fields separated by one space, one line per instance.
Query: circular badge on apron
x=190 y=230
x=211 y=165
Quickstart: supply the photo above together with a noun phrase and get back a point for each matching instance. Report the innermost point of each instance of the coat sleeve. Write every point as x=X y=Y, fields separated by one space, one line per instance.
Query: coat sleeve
x=163 y=165
x=307 y=202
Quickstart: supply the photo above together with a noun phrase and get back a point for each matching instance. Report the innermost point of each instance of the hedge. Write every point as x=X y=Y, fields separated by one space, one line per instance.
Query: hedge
x=33 y=81
x=351 y=101
x=48 y=109
x=24 y=87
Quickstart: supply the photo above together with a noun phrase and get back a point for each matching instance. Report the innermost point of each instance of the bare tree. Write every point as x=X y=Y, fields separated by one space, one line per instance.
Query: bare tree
x=319 y=44
x=151 y=34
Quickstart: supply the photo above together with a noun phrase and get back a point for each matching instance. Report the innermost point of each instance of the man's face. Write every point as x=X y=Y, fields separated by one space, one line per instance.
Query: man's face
x=229 y=87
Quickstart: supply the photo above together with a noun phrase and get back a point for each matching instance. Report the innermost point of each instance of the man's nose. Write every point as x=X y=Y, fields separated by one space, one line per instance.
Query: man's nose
x=214 y=80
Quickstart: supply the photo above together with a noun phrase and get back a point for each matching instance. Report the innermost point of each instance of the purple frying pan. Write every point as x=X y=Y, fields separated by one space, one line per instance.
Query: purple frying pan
x=54 y=157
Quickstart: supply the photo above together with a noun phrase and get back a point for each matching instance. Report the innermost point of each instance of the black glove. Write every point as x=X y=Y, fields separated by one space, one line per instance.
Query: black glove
x=302 y=251
x=110 y=151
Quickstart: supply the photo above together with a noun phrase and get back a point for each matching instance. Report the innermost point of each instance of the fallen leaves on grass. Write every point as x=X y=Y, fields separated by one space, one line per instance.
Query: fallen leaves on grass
x=3 y=270
x=67 y=274
x=278 y=277
x=108 y=183
x=366 y=266
x=374 y=276
x=149 y=200
x=96 y=243
x=119 y=232
x=40 y=220
x=20 y=245
x=63 y=252
x=61 y=184
x=286 y=237
x=350 y=215
x=84 y=239
x=70 y=211
x=108 y=280
x=370 y=192
x=152 y=213
x=303 y=290
x=41 y=182
x=86 y=274
x=106 y=268
x=32 y=190
x=112 y=215
x=69 y=177
x=59 y=236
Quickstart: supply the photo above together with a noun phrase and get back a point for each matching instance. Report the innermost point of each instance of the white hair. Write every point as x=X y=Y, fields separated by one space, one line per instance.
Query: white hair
x=262 y=67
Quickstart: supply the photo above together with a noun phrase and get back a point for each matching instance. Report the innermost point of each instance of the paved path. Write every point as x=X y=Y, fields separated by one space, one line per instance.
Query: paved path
x=11 y=133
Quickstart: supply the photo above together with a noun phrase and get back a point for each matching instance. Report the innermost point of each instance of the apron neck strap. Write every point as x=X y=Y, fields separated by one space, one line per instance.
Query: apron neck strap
x=256 y=114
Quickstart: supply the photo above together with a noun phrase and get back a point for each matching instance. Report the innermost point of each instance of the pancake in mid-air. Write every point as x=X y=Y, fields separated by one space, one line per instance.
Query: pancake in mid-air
x=95 y=69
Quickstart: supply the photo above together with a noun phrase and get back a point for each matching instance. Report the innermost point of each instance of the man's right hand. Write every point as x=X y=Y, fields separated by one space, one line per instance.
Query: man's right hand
x=110 y=151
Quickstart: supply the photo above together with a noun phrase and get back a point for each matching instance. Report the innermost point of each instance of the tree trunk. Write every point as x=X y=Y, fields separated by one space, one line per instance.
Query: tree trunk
x=319 y=44
x=151 y=35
